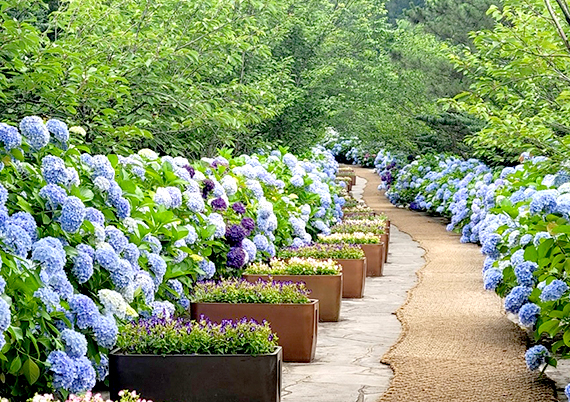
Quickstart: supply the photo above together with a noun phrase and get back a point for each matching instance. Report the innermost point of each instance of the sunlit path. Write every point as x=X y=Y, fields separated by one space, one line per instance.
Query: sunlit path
x=347 y=367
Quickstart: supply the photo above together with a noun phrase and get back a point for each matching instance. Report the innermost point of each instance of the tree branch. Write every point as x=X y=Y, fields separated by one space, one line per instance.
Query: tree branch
x=557 y=24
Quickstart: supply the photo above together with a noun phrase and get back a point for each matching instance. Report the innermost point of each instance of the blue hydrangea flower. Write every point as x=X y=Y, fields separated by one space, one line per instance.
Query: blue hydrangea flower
x=554 y=290
x=5 y=316
x=492 y=278
x=49 y=298
x=157 y=266
x=26 y=222
x=543 y=201
x=94 y=216
x=86 y=248
x=162 y=197
x=528 y=314
x=58 y=129
x=2 y=285
x=107 y=258
x=102 y=368
x=61 y=285
x=154 y=243
x=524 y=275
x=131 y=253
x=250 y=248
x=489 y=246
x=72 y=215
x=82 y=267
x=535 y=357
x=195 y=202
x=84 y=311
x=54 y=170
x=144 y=281
x=16 y=240
x=49 y=255
x=516 y=298
x=74 y=342
x=85 y=377
x=567 y=392
x=10 y=136
x=105 y=331
x=192 y=235
x=261 y=242
x=209 y=269
x=63 y=368
x=54 y=195
x=116 y=238
x=123 y=208
x=102 y=167
x=35 y=132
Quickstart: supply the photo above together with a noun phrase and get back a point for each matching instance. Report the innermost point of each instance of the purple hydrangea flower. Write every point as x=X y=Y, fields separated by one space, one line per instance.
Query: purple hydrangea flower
x=236 y=257
x=219 y=204
x=238 y=208
x=235 y=235
x=248 y=224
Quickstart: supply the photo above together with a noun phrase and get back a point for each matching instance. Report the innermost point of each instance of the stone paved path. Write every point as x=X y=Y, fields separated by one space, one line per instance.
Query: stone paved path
x=347 y=367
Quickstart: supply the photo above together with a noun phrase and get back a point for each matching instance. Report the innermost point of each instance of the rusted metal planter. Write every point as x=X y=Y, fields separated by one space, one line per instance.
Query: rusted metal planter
x=295 y=324
x=353 y=277
x=375 y=257
x=327 y=289
x=198 y=378
x=385 y=239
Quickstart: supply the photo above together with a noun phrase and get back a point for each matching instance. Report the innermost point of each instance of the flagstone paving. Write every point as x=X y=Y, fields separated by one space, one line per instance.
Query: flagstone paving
x=347 y=366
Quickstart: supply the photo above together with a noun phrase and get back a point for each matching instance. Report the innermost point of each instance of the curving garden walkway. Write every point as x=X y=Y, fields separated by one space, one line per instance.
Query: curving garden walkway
x=456 y=342
x=347 y=365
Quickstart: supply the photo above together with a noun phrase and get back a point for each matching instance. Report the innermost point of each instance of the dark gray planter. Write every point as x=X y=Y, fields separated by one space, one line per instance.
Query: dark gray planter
x=198 y=378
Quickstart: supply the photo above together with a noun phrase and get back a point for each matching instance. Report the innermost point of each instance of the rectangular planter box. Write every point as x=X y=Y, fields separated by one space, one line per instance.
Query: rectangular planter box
x=385 y=239
x=295 y=324
x=353 y=278
x=198 y=378
x=327 y=289
x=375 y=257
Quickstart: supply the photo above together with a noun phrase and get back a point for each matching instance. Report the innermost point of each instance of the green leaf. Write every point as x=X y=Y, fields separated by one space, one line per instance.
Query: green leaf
x=31 y=371
x=15 y=366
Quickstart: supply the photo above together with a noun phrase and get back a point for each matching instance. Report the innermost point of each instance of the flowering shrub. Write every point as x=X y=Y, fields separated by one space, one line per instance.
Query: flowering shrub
x=165 y=336
x=377 y=226
x=324 y=251
x=387 y=166
x=295 y=266
x=520 y=216
x=88 y=242
x=125 y=396
x=241 y=291
x=350 y=238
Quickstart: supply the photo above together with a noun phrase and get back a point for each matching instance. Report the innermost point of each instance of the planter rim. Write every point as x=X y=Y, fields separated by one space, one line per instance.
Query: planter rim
x=311 y=301
x=275 y=352
x=299 y=275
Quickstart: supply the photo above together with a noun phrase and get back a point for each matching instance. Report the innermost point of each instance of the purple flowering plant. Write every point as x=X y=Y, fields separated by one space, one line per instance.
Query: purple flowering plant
x=241 y=291
x=324 y=251
x=295 y=266
x=166 y=336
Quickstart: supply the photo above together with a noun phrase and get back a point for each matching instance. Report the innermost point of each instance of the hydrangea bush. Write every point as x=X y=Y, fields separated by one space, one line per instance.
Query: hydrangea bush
x=521 y=217
x=89 y=242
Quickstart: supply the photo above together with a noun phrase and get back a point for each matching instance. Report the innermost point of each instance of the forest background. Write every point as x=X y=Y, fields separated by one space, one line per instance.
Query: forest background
x=478 y=77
